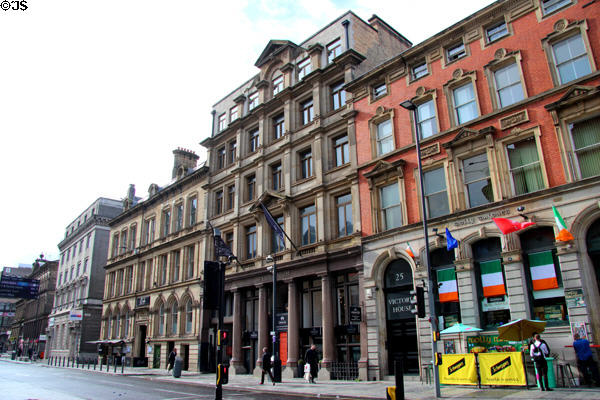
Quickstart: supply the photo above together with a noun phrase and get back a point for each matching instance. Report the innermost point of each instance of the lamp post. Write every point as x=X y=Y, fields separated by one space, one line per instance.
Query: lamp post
x=409 y=105
x=274 y=334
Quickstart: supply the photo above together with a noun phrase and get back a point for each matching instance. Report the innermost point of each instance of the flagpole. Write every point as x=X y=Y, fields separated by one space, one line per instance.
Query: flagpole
x=266 y=210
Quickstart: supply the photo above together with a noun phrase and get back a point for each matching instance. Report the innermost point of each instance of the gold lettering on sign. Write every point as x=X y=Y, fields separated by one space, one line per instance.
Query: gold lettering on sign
x=430 y=150
x=514 y=119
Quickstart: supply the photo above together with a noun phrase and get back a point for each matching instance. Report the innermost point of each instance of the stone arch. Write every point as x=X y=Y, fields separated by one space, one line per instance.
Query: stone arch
x=107 y=311
x=382 y=261
x=157 y=303
x=467 y=242
x=272 y=70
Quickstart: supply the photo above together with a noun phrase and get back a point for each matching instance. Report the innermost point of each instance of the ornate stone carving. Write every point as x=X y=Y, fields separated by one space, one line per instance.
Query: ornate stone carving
x=420 y=91
x=560 y=25
x=500 y=53
x=514 y=119
x=458 y=73
x=430 y=150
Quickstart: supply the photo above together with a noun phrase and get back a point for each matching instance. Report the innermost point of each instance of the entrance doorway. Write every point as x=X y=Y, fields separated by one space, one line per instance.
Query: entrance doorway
x=156 y=359
x=185 y=354
x=142 y=341
x=593 y=246
x=401 y=323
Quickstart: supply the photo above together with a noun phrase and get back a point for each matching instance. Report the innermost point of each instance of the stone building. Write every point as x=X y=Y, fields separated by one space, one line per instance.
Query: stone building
x=75 y=318
x=285 y=139
x=152 y=292
x=8 y=307
x=507 y=104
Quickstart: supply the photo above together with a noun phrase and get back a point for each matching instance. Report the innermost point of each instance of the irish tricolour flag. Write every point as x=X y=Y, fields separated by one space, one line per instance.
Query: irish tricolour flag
x=563 y=234
x=492 y=279
x=447 y=285
x=543 y=274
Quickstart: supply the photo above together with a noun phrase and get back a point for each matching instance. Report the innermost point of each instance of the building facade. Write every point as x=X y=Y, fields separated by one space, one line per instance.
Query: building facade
x=8 y=307
x=75 y=317
x=152 y=293
x=285 y=140
x=508 y=114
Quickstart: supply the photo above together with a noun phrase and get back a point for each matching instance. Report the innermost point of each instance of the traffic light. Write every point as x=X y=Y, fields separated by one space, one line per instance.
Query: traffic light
x=222 y=374
x=223 y=337
x=418 y=301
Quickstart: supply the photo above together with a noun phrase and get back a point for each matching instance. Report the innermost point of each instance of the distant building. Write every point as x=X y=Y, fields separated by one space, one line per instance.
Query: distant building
x=8 y=307
x=75 y=317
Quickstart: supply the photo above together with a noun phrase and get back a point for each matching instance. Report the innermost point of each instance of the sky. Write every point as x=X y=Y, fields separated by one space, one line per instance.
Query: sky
x=96 y=94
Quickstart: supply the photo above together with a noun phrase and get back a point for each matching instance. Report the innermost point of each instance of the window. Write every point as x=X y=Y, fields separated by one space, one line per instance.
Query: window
x=149 y=230
x=385 y=138
x=250 y=187
x=496 y=31
x=141 y=275
x=571 y=59
x=252 y=101
x=222 y=122
x=276 y=177
x=277 y=85
x=465 y=106
x=277 y=244
x=178 y=217
x=129 y=279
x=344 y=214
x=123 y=246
x=126 y=326
x=218 y=202
x=338 y=95
x=419 y=71
x=379 y=90
x=436 y=198
x=80 y=246
x=455 y=52
x=166 y=222
x=311 y=303
x=251 y=244
x=232 y=151
x=445 y=288
x=426 y=119
x=230 y=197
x=278 y=126
x=233 y=113
x=308 y=113
x=78 y=268
x=132 y=236
x=508 y=85
x=221 y=157
x=229 y=240
x=478 y=184
x=334 y=49
x=586 y=145
x=341 y=150
x=176 y=258
x=304 y=68
x=190 y=262
x=525 y=166
x=115 y=246
x=549 y=6
x=188 y=316
x=163 y=269
x=161 y=320
x=193 y=206
x=253 y=138
x=308 y=217
x=391 y=210
x=306 y=166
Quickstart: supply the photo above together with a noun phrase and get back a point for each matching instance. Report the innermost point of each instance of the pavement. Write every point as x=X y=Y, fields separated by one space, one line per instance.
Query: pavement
x=414 y=389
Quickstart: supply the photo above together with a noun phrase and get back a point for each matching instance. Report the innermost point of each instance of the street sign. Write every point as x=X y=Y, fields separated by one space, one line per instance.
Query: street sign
x=75 y=315
x=281 y=322
x=355 y=314
x=15 y=287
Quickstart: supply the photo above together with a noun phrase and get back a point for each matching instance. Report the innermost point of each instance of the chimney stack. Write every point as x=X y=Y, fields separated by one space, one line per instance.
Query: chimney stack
x=184 y=160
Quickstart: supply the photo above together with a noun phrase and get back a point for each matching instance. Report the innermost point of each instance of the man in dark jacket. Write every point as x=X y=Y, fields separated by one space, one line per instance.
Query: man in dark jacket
x=585 y=360
x=266 y=366
x=312 y=359
x=172 y=357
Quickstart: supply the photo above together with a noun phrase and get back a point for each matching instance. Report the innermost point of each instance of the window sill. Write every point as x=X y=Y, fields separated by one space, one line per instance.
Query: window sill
x=413 y=80
x=303 y=180
x=338 y=168
x=455 y=60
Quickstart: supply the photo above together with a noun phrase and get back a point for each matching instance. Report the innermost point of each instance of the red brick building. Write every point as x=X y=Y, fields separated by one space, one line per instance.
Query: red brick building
x=508 y=109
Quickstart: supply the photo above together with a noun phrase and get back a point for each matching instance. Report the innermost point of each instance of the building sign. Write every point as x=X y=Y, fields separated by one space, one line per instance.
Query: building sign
x=494 y=303
x=18 y=288
x=491 y=343
x=281 y=322
x=398 y=305
x=43 y=338
x=502 y=369
x=480 y=218
x=142 y=301
x=75 y=315
x=355 y=315
x=315 y=331
x=51 y=321
x=574 y=298
x=458 y=369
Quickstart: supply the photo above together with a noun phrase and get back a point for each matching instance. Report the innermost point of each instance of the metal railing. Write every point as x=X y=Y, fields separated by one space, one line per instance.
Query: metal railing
x=344 y=371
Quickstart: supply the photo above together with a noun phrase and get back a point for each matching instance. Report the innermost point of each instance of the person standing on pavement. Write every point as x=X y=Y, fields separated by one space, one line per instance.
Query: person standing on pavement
x=266 y=366
x=172 y=357
x=538 y=352
x=585 y=360
x=312 y=359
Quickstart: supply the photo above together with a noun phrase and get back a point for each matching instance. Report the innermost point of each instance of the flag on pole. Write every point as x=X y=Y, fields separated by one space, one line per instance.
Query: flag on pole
x=451 y=243
x=221 y=248
x=273 y=224
x=507 y=226
x=543 y=273
x=563 y=234
x=492 y=279
x=409 y=250
x=448 y=289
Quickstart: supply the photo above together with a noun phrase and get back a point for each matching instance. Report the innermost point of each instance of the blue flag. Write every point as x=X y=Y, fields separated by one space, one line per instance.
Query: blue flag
x=451 y=243
x=274 y=225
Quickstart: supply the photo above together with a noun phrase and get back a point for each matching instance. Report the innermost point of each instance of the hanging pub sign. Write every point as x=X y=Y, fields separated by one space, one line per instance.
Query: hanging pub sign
x=355 y=315
x=398 y=305
x=281 y=322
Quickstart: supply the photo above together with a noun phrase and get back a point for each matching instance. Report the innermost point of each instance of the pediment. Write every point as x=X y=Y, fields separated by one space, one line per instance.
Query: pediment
x=385 y=169
x=272 y=48
x=466 y=134
x=268 y=198
x=574 y=93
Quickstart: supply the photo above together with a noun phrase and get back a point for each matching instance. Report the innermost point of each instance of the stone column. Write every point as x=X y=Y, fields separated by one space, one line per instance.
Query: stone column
x=515 y=284
x=467 y=292
x=327 y=324
x=363 y=362
x=263 y=327
x=293 y=338
x=237 y=363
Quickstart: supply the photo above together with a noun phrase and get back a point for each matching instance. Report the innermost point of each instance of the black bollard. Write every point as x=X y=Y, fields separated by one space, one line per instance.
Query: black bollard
x=63 y=361
x=122 y=364
x=399 y=373
x=115 y=364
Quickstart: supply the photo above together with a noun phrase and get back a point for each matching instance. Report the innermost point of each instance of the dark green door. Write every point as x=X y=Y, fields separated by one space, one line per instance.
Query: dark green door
x=156 y=359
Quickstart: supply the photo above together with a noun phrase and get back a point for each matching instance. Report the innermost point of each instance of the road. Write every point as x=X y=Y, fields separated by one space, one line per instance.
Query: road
x=35 y=382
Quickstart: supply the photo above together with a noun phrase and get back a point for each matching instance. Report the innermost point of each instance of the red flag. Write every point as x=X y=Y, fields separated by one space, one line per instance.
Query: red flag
x=507 y=226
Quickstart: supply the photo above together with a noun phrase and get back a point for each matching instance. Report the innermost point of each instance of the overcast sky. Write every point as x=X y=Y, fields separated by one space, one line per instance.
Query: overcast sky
x=95 y=94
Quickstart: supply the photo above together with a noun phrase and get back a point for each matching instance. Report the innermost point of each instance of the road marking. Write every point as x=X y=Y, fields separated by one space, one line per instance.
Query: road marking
x=174 y=391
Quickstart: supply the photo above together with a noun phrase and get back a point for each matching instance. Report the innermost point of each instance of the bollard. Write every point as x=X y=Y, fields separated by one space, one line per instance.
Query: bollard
x=399 y=373
x=89 y=362
x=115 y=364
x=95 y=362
x=63 y=361
x=77 y=362
x=122 y=364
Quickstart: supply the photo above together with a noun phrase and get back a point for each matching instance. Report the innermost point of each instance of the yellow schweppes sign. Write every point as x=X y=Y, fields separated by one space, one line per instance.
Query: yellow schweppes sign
x=458 y=369
x=501 y=369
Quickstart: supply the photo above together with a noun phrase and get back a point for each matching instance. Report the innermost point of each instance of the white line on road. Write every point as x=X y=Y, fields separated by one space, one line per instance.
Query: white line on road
x=173 y=391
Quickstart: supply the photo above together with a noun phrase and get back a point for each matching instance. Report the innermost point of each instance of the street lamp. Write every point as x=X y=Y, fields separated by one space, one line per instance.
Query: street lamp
x=276 y=360
x=410 y=106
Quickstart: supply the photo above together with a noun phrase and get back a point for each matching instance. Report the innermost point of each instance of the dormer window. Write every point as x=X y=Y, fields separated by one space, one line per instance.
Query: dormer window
x=334 y=49
x=455 y=52
x=233 y=113
x=496 y=31
x=419 y=71
x=222 y=122
x=304 y=68
x=252 y=100
x=277 y=85
x=379 y=90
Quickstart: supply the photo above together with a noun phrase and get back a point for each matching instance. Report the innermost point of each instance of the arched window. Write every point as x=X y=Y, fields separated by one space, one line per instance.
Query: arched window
x=174 y=315
x=188 y=316
x=116 y=322
x=126 y=326
x=161 y=320
x=108 y=327
x=445 y=288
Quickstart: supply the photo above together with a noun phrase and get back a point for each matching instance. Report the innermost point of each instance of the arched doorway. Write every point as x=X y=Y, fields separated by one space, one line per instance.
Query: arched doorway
x=592 y=240
x=401 y=323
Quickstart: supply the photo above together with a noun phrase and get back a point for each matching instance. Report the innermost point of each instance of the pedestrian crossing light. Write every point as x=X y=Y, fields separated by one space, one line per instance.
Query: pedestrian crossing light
x=417 y=301
x=222 y=374
x=223 y=337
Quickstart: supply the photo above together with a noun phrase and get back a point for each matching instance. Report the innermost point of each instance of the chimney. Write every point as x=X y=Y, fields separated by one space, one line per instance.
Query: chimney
x=184 y=160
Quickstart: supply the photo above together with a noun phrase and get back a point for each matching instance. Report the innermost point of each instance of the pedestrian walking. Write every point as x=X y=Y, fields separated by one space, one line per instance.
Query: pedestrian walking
x=266 y=366
x=172 y=357
x=585 y=361
x=312 y=359
x=538 y=352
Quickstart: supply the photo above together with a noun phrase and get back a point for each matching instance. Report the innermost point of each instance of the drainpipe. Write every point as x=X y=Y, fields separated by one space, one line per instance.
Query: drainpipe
x=212 y=129
x=346 y=23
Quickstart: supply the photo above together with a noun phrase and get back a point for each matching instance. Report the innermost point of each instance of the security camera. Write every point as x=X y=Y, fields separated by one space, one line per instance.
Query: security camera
x=269 y=258
x=270 y=268
x=520 y=209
